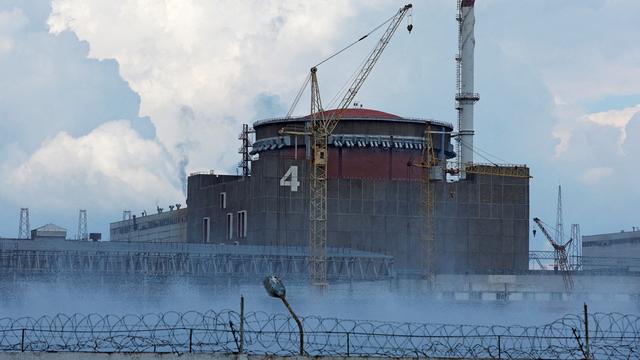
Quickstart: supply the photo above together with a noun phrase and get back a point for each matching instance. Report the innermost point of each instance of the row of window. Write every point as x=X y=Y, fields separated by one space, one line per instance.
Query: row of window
x=240 y=230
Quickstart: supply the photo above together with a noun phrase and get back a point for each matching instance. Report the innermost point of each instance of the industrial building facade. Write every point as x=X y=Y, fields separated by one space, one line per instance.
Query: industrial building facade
x=374 y=201
x=166 y=226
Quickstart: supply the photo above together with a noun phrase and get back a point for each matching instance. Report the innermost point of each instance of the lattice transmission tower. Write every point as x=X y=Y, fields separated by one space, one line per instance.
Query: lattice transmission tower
x=24 y=230
x=82 y=234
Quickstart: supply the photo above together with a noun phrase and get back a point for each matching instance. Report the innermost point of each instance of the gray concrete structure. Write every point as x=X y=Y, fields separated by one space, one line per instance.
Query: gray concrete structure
x=373 y=198
x=49 y=231
x=613 y=251
x=167 y=226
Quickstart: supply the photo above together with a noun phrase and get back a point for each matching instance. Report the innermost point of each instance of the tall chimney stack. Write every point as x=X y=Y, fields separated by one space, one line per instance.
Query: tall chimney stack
x=466 y=97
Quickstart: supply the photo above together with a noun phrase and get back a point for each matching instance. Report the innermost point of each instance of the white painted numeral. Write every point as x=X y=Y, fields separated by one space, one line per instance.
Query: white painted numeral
x=292 y=175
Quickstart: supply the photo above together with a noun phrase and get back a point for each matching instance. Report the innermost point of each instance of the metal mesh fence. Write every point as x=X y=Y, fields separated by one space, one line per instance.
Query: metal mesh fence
x=612 y=336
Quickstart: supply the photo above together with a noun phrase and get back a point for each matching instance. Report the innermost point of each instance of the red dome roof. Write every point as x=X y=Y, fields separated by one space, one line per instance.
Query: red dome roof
x=362 y=113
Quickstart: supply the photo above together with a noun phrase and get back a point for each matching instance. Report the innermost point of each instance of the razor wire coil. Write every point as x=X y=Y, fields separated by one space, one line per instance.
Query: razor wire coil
x=611 y=336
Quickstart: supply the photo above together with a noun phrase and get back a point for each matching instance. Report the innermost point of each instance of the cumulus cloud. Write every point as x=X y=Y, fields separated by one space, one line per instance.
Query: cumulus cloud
x=103 y=170
x=60 y=148
x=48 y=85
x=213 y=58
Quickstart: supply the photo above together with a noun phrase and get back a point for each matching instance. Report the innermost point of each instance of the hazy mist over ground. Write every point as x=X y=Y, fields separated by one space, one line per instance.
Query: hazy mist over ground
x=404 y=301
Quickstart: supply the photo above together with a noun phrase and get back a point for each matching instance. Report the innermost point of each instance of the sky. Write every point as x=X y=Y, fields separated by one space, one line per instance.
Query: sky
x=106 y=106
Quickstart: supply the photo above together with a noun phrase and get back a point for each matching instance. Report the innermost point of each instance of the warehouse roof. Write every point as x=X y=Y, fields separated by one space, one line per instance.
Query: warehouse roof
x=51 y=228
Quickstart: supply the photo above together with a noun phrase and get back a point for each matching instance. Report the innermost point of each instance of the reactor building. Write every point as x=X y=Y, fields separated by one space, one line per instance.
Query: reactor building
x=374 y=202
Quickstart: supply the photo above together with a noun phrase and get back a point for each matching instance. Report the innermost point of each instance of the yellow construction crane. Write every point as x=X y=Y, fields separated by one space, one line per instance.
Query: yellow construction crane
x=561 y=261
x=321 y=126
x=427 y=163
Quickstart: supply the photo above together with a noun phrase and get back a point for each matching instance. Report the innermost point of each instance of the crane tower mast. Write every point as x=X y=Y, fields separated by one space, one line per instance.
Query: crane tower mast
x=322 y=126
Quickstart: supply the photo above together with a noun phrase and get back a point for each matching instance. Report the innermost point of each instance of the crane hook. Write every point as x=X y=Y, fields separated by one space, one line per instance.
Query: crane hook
x=410 y=20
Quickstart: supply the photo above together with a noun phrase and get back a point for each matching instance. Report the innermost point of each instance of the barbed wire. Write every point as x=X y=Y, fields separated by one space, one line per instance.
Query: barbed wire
x=611 y=335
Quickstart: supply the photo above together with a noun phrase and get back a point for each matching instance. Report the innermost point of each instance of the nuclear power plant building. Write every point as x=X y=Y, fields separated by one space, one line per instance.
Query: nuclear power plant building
x=374 y=198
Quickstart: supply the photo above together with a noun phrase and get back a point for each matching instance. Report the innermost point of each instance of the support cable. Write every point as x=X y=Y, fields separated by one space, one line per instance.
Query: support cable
x=342 y=90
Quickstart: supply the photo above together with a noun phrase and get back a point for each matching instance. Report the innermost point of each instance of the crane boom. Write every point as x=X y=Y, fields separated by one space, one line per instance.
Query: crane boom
x=561 y=260
x=321 y=127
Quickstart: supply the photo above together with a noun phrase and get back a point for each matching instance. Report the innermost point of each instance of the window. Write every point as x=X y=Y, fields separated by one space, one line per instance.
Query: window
x=242 y=224
x=223 y=200
x=205 y=230
x=229 y=226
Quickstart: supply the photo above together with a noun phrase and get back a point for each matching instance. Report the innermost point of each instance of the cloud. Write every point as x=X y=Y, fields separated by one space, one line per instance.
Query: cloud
x=62 y=146
x=112 y=167
x=615 y=118
x=216 y=58
x=594 y=175
x=11 y=22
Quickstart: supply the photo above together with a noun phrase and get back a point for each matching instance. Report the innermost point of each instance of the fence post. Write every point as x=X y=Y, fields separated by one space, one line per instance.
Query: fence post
x=348 y=344
x=22 y=341
x=586 y=331
x=241 y=349
x=499 y=348
x=190 y=340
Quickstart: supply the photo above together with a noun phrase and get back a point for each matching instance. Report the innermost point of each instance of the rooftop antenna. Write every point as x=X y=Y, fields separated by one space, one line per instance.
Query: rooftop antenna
x=24 y=230
x=82 y=234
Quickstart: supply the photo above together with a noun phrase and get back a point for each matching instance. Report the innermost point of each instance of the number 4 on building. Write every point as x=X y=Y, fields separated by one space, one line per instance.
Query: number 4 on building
x=290 y=178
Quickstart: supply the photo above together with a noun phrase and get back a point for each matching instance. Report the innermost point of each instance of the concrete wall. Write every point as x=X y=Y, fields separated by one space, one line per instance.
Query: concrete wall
x=168 y=226
x=621 y=244
x=481 y=223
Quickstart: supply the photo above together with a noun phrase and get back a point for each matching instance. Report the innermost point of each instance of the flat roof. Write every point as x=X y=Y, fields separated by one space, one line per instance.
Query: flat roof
x=351 y=114
x=617 y=236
